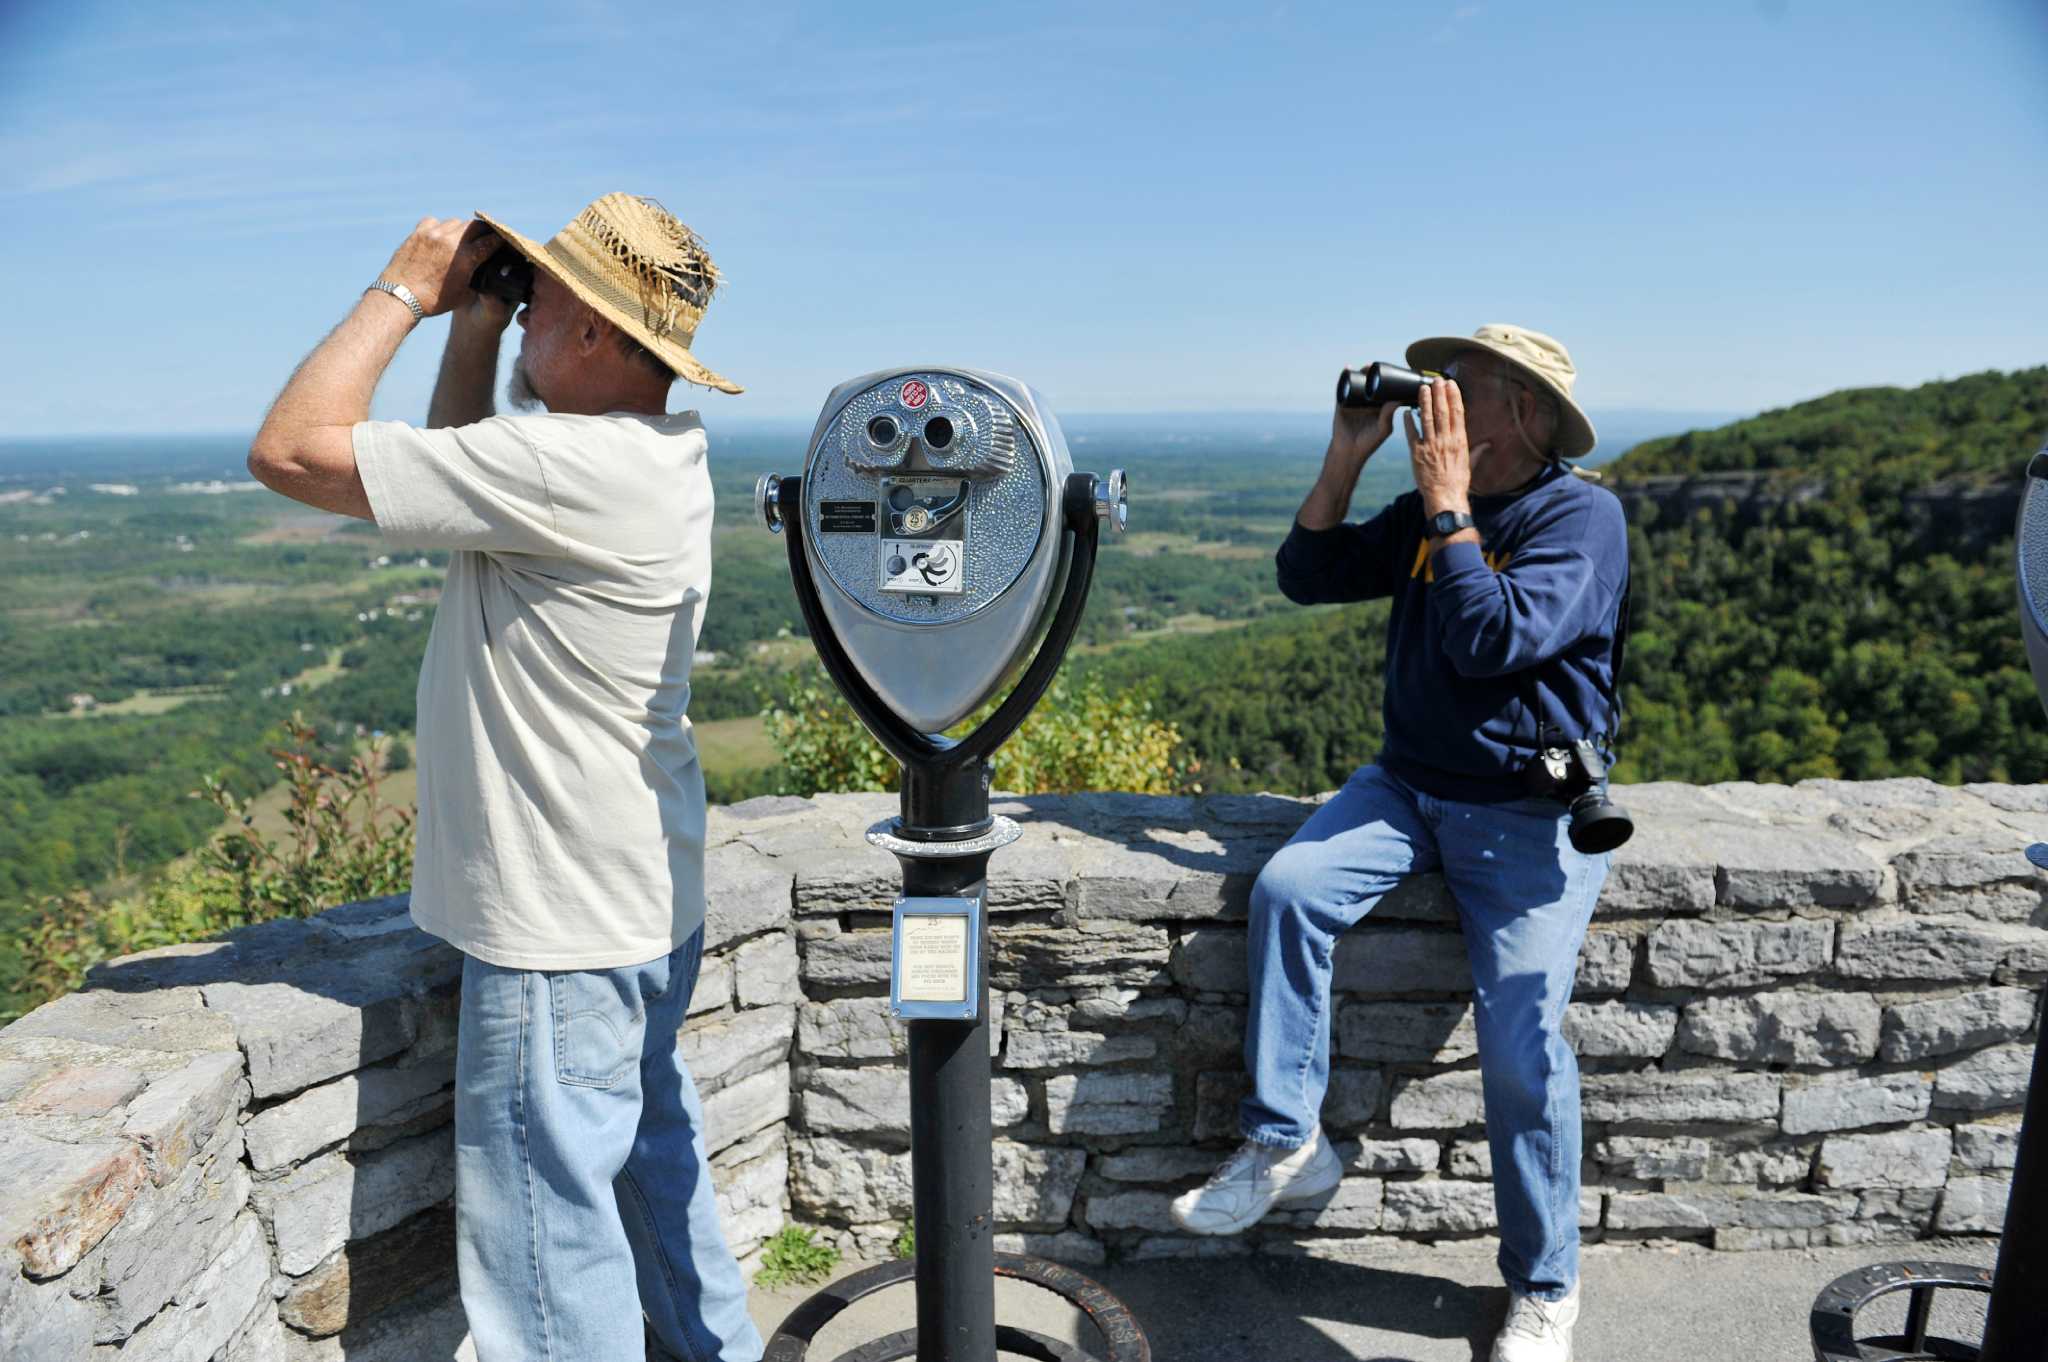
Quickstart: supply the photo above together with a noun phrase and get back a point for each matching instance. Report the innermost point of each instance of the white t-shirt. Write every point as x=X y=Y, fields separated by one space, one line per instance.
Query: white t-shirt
x=561 y=808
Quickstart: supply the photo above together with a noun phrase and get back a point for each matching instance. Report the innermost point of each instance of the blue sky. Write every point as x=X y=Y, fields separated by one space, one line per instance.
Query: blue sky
x=1717 y=206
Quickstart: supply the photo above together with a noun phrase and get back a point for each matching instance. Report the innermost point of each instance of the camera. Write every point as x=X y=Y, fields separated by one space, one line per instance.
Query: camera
x=507 y=274
x=1380 y=383
x=1573 y=772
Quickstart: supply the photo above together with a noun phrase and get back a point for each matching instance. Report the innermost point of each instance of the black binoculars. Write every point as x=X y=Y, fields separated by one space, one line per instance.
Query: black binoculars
x=507 y=274
x=1378 y=384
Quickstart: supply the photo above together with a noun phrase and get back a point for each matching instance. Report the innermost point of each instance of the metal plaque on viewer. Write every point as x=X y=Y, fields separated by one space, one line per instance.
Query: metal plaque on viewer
x=935 y=965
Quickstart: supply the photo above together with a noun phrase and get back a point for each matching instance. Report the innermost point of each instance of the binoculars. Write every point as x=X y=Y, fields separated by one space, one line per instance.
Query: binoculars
x=507 y=274
x=1380 y=383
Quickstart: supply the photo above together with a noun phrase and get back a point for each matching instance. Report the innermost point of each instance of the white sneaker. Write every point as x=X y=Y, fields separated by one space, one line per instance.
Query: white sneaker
x=1255 y=1178
x=1538 y=1330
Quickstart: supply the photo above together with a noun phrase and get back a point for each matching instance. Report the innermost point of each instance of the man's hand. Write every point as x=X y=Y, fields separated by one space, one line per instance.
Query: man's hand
x=1443 y=464
x=1356 y=432
x=485 y=314
x=436 y=261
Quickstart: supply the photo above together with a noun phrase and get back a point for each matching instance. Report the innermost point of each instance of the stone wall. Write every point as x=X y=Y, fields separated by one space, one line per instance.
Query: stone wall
x=1805 y=1015
x=241 y=1151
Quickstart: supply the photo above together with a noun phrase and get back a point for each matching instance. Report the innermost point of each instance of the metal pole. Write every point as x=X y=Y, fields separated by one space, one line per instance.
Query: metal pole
x=952 y=1135
x=2016 y=1324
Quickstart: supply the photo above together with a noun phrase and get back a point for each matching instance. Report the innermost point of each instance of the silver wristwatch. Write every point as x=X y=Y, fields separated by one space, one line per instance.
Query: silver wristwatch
x=403 y=295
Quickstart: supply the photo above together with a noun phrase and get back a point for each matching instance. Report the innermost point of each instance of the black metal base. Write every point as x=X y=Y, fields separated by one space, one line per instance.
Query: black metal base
x=1111 y=1318
x=1834 y=1312
x=2016 y=1317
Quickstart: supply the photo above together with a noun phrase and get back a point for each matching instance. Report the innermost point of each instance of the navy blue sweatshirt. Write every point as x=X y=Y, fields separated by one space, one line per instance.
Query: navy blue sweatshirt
x=1481 y=630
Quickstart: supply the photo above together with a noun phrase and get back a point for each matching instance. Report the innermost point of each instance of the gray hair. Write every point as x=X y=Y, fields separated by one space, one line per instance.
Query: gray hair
x=642 y=357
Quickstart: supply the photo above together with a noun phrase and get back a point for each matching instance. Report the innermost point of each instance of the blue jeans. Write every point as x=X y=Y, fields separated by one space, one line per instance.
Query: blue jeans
x=583 y=1195
x=1524 y=897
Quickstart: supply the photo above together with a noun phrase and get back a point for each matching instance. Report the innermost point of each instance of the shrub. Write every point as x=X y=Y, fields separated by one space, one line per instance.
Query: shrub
x=346 y=844
x=1081 y=736
x=824 y=748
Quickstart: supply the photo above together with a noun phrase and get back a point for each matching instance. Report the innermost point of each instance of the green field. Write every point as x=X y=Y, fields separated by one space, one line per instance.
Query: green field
x=147 y=701
x=728 y=746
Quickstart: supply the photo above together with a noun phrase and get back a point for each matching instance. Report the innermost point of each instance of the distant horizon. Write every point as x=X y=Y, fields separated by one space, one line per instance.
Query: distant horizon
x=756 y=422
x=710 y=403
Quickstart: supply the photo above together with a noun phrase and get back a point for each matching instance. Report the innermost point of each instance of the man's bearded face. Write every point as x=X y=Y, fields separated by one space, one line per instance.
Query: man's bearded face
x=519 y=390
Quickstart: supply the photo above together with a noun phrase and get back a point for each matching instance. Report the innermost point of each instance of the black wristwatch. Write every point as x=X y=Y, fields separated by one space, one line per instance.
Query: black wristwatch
x=1448 y=522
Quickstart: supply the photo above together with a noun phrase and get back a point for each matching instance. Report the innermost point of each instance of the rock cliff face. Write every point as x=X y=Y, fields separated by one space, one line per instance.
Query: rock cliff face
x=1804 y=1015
x=1954 y=514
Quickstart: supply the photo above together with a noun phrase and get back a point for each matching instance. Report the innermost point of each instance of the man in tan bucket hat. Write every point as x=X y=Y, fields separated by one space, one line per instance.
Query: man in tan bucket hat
x=1507 y=576
x=561 y=806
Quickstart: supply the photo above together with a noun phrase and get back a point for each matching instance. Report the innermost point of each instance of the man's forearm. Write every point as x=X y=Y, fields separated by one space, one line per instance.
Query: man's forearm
x=469 y=366
x=1329 y=501
x=305 y=448
x=334 y=385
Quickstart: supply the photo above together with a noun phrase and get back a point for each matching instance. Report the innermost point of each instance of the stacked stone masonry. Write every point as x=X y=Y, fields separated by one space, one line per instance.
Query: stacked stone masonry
x=242 y=1151
x=1805 y=1015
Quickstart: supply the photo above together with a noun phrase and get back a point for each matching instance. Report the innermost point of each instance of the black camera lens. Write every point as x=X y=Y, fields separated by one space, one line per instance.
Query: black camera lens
x=938 y=433
x=882 y=430
x=1598 y=824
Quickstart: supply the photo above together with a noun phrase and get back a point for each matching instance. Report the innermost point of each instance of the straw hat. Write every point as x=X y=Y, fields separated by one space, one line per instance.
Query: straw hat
x=645 y=272
x=1536 y=357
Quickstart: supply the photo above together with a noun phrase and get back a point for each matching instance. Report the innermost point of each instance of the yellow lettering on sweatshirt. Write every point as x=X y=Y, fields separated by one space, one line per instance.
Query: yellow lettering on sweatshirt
x=1426 y=569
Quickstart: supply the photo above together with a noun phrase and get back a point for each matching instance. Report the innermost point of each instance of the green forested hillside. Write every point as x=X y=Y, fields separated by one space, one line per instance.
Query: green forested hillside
x=1883 y=440
x=1834 y=635
x=1290 y=705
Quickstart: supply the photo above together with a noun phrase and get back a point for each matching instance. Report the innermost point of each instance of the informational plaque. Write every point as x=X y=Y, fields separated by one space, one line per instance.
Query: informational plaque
x=934 y=962
x=935 y=973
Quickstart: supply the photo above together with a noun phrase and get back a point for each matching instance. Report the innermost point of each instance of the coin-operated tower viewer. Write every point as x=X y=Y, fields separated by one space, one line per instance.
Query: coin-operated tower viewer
x=941 y=544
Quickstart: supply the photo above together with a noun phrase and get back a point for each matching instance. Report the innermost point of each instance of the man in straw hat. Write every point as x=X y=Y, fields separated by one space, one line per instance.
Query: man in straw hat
x=1506 y=574
x=561 y=808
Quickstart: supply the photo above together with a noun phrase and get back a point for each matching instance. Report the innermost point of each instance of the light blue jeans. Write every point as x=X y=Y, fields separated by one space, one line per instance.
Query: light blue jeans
x=583 y=1195
x=1524 y=896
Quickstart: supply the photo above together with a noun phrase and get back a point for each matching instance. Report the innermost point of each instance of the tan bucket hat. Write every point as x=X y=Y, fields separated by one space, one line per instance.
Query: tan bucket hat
x=642 y=270
x=1536 y=356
